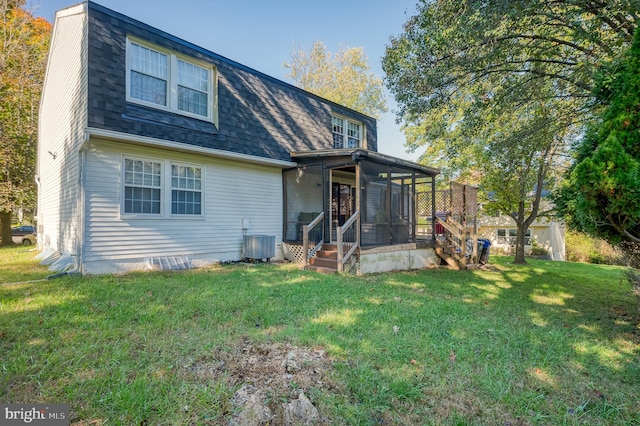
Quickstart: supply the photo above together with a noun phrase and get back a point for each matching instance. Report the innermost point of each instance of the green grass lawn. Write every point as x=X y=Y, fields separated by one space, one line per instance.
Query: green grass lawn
x=549 y=343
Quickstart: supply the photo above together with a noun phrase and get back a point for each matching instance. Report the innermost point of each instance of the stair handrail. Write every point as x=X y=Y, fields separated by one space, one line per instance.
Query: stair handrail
x=453 y=235
x=340 y=230
x=458 y=235
x=309 y=253
x=456 y=224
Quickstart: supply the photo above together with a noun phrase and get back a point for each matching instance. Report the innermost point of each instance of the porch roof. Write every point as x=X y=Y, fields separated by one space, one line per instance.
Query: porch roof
x=358 y=154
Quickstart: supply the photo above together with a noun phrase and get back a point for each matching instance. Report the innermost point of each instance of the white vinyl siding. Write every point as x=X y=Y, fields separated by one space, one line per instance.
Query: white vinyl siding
x=61 y=133
x=232 y=191
x=160 y=78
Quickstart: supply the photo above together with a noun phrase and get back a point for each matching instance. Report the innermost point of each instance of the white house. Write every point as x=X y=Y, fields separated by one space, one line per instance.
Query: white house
x=543 y=232
x=152 y=149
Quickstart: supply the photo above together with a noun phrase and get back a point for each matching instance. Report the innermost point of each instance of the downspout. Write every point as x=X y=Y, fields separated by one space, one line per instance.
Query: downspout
x=80 y=233
x=37 y=212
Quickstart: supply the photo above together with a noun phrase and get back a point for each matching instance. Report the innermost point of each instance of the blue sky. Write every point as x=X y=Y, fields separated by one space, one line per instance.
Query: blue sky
x=262 y=34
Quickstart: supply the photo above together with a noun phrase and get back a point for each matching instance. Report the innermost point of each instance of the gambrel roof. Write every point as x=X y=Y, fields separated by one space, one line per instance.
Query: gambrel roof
x=258 y=115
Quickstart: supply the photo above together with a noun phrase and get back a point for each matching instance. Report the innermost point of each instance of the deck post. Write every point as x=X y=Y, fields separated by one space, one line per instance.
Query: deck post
x=340 y=265
x=464 y=222
x=433 y=208
x=305 y=244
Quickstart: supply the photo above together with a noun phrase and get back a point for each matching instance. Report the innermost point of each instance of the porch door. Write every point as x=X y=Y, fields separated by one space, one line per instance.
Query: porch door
x=342 y=203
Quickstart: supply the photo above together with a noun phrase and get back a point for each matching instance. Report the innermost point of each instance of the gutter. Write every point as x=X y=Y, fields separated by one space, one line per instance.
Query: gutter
x=182 y=147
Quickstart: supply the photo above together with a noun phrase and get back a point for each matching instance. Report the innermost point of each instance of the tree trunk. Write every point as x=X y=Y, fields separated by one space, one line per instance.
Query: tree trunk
x=519 y=257
x=5 y=228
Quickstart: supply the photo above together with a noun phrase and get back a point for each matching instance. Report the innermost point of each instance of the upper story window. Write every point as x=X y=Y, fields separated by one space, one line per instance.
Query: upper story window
x=162 y=79
x=346 y=133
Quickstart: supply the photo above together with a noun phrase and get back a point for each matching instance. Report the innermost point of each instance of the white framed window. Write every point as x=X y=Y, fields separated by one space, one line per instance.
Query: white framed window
x=149 y=73
x=346 y=133
x=186 y=190
x=159 y=78
x=161 y=188
x=353 y=134
x=508 y=236
x=142 y=186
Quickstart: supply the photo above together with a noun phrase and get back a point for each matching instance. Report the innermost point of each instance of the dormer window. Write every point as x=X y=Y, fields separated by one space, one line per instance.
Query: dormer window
x=159 y=78
x=148 y=75
x=346 y=133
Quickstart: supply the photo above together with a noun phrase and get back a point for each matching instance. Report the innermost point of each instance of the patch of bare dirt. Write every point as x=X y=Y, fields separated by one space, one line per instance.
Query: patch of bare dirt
x=275 y=381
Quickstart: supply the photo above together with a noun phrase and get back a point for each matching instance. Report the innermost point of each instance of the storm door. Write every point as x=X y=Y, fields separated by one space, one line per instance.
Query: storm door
x=342 y=203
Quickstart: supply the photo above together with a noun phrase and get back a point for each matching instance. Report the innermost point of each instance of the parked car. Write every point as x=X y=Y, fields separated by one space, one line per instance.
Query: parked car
x=24 y=234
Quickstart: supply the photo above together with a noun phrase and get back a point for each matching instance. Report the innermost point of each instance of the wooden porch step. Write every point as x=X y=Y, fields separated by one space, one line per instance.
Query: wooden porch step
x=327 y=254
x=324 y=262
x=450 y=259
x=321 y=269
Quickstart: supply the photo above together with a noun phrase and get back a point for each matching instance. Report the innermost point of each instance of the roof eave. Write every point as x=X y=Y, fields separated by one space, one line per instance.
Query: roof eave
x=357 y=153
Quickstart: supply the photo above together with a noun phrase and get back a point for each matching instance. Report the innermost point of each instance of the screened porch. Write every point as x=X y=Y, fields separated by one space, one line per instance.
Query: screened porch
x=389 y=200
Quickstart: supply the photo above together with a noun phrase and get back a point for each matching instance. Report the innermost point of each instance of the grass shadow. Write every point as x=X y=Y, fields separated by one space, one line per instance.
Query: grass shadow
x=509 y=345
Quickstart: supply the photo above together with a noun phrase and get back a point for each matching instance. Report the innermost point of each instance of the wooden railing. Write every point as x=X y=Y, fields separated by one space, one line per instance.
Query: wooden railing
x=312 y=237
x=457 y=237
x=348 y=237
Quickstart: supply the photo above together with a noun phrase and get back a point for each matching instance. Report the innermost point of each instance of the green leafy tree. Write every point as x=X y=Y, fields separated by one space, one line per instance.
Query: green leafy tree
x=24 y=42
x=602 y=192
x=344 y=77
x=498 y=89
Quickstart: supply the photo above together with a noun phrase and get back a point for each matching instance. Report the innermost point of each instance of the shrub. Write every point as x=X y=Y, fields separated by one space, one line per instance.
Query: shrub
x=537 y=249
x=586 y=249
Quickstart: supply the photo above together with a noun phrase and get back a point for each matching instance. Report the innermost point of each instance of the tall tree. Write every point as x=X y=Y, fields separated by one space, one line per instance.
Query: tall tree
x=602 y=192
x=502 y=86
x=343 y=77
x=24 y=42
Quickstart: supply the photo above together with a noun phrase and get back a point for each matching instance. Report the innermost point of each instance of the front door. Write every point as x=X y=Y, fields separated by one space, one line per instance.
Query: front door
x=342 y=203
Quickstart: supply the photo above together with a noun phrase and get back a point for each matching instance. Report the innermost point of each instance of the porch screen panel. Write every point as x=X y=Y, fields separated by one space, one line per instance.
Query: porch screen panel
x=376 y=220
x=303 y=199
x=402 y=205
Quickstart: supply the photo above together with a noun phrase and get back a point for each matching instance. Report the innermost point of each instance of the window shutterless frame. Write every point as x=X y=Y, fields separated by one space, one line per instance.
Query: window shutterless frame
x=509 y=235
x=187 y=188
x=161 y=189
x=160 y=78
x=347 y=133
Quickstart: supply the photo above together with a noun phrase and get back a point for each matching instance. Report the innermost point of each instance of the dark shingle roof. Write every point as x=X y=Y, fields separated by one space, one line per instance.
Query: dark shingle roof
x=258 y=114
